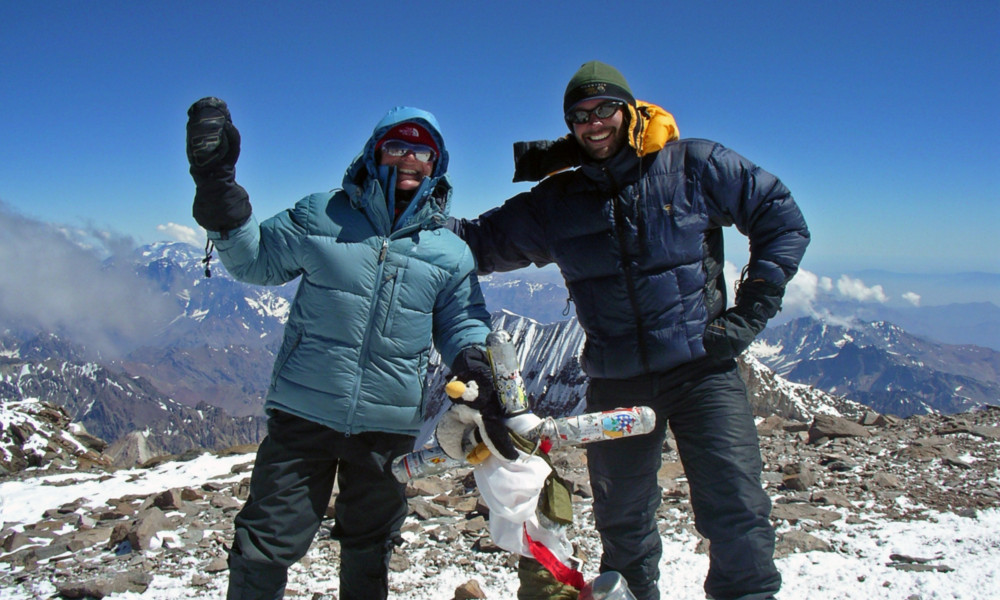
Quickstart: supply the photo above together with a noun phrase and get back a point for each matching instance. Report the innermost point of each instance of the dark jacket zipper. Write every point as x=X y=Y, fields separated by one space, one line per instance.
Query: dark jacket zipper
x=630 y=280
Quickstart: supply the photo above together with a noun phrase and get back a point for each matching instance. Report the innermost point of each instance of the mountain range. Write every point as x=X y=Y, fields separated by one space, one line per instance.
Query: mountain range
x=880 y=365
x=199 y=379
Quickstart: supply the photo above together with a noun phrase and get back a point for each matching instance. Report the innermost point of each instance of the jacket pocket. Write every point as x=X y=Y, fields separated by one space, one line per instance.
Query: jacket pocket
x=422 y=362
x=287 y=349
x=393 y=281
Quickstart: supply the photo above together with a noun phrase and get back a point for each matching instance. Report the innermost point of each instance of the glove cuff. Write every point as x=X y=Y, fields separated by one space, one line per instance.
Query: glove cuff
x=759 y=301
x=471 y=358
x=220 y=204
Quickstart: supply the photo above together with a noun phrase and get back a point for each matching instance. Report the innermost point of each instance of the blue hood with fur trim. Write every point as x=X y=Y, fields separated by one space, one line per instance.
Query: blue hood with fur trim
x=372 y=187
x=375 y=297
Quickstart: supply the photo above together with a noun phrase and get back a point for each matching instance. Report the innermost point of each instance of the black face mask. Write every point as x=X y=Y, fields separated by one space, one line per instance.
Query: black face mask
x=403 y=197
x=617 y=171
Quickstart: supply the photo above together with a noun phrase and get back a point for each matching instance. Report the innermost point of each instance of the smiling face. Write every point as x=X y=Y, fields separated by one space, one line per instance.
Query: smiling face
x=600 y=138
x=409 y=171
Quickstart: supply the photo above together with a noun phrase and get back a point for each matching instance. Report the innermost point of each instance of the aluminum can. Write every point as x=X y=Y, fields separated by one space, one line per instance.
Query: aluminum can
x=506 y=373
x=609 y=585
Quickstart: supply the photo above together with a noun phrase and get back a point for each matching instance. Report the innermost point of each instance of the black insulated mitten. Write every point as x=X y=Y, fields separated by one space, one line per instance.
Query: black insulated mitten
x=213 y=146
x=534 y=161
x=734 y=330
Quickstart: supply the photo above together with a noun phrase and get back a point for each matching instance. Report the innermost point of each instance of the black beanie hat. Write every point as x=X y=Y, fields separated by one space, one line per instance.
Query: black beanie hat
x=596 y=80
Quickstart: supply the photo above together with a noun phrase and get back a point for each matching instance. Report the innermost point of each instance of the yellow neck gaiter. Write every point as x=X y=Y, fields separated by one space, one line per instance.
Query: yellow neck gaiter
x=651 y=128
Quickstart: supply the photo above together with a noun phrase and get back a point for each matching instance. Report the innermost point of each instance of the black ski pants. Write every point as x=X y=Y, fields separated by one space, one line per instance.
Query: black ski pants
x=706 y=407
x=290 y=489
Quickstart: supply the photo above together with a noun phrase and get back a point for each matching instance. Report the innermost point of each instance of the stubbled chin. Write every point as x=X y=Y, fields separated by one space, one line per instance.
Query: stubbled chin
x=598 y=151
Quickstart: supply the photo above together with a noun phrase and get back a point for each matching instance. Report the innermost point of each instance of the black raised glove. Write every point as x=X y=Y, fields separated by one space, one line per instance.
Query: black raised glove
x=534 y=161
x=734 y=330
x=213 y=146
x=472 y=365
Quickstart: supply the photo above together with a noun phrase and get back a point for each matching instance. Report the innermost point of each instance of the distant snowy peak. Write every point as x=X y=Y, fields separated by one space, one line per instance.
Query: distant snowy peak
x=542 y=300
x=270 y=306
x=217 y=311
x=555 y=382
x=882 y=366
x=173 y=251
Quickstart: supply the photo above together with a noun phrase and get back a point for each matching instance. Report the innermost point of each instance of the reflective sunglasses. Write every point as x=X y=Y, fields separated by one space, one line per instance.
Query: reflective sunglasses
x=399 y=148
x=602 y=111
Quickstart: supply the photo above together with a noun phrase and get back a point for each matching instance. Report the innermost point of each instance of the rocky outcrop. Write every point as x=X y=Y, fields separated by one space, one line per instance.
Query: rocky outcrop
x=133 y=449
x=40 y=435
x=112 y=405
x=817 y=473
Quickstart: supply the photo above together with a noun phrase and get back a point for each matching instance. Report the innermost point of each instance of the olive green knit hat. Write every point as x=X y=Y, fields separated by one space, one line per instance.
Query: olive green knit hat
x=596 y=80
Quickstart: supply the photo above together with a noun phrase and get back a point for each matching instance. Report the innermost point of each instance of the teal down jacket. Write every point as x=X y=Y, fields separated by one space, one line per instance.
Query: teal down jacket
x=372 y=297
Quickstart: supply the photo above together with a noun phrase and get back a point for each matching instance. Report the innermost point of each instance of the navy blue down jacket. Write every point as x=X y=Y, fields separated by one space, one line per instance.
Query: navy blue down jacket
x=639 y=243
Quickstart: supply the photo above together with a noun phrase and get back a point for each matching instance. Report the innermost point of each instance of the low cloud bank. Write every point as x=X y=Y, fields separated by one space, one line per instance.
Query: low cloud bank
x=807 y=292
x=59 y=280
x=183 y=233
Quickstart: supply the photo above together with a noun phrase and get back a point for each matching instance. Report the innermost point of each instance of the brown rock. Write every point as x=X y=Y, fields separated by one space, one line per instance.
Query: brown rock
x=171 y=499
x=827 y=426
x=469 y=591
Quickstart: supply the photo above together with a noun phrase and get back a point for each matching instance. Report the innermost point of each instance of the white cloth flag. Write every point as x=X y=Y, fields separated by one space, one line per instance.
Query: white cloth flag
x=511 y=490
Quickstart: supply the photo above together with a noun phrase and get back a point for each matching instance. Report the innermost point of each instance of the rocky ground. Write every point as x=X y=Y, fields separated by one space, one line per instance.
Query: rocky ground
x=171 y=543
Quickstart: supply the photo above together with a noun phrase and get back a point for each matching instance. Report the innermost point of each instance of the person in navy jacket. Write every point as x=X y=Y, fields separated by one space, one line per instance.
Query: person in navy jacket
x=635 y=227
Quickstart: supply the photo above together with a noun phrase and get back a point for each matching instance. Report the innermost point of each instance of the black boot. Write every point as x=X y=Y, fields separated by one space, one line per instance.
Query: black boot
x=252 y=580
x=364 y=572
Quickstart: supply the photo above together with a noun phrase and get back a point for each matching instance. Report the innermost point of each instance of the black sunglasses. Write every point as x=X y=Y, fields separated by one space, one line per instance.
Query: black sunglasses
x=399 y=148
x=603 y=110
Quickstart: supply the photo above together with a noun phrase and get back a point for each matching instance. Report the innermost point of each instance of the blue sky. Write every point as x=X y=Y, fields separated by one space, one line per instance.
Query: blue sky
x=880 y=116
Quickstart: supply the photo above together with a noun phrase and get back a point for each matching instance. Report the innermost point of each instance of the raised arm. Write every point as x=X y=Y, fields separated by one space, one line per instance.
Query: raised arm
x=263 y=254
x=506 y=238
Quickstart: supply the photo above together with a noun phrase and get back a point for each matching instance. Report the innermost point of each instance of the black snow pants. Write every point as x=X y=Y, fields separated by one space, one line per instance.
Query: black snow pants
x=706 y=407
x=290 y=490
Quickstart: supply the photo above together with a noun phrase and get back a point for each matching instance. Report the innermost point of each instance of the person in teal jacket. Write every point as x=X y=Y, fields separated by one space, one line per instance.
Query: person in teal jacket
x=381 y=280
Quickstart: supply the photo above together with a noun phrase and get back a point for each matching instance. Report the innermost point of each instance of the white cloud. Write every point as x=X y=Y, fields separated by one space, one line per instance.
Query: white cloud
x=182 y=233
x=802 y=290
x=820 y=297
x=76 y=283
x=856 y=289
x=912 y=297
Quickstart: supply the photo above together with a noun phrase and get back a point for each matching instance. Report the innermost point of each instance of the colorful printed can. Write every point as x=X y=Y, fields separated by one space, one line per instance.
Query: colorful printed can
x=428 y=461
x=506 y=373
